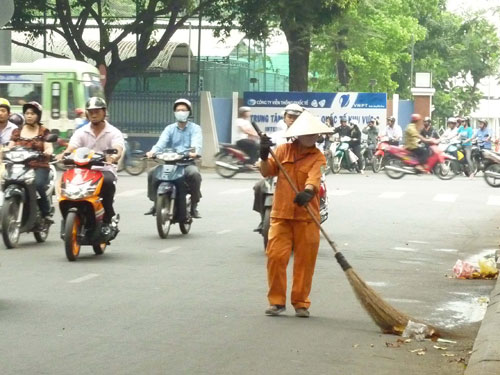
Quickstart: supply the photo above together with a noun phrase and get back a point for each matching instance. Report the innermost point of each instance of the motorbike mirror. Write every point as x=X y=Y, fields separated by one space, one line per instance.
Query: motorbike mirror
x=51 y=138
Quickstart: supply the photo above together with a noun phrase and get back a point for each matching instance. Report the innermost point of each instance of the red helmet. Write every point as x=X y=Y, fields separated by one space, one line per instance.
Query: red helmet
x=79 y=111
x=415 y=117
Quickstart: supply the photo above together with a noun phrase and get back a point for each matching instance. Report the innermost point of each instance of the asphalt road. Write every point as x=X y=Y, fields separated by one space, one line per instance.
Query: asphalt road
x=194 y=304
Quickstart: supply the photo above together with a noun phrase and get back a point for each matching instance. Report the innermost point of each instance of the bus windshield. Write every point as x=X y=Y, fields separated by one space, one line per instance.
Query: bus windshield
x=21 y=88
x=92 y=86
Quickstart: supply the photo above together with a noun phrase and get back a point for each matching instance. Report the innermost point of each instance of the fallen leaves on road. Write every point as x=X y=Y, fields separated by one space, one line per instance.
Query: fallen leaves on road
x=419 y=351
x=440 y=347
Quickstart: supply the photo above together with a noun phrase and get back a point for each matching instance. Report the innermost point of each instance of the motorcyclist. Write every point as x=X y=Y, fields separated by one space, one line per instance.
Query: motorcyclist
x=371 y=130
x=32 y=135
x=182 y=136
x=428 y=131
x=355 y=144
x=6 y=126
x=414 y=140
x=290 y=114
x=247 y=139
x=99 y=135
x=451 y=133
x=393 y=131
x=344 y=130
x=483 y=135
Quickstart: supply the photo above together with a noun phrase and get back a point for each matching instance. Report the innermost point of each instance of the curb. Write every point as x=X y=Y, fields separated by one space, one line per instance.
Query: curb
x=485 y=358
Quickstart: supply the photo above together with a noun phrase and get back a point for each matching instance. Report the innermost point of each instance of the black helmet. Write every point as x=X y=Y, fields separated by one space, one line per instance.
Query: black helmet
x=17 y=118
x=35 y=106
x=96 y=103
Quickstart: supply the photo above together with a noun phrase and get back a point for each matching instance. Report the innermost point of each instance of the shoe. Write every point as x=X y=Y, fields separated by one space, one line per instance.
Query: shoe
x=47 y=220
x=194 y=211
x=259 y=228
x=151 y=211
x=275 y=310
x=302 y=312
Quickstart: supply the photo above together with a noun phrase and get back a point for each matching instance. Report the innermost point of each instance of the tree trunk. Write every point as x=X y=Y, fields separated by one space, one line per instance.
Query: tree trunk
x=299 y=48
x=342 y=69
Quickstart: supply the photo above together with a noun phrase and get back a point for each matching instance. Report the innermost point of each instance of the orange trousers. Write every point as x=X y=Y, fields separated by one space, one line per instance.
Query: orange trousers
x=303 y=238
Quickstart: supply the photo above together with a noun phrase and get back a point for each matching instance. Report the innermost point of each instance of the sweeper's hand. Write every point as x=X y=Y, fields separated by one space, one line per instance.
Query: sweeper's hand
x=265 y=146
x=304 y=197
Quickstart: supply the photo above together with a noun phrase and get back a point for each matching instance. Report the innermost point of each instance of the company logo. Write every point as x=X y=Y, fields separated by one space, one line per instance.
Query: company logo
x=344 y=101
x=252 y=102
x=322 y=103
x=314 y=103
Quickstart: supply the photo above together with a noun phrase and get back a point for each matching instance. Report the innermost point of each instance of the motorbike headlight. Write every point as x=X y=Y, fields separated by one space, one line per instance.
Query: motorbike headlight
x=73 y=191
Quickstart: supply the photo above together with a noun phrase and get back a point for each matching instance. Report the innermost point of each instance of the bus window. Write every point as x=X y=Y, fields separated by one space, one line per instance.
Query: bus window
x=56 y=100
x=71 y=102
x=92 y=85
x=20 y=93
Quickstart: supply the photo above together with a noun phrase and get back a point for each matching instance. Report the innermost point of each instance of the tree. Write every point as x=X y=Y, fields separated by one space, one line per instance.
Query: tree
x=71 y=17
x=298 y=20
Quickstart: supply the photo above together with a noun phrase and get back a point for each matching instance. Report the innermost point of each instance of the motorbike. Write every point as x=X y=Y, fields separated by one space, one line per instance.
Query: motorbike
x=491 y=170
x=230 y=160
x=81 y=206
x=343 y=156
x=20 y=212
x=269 y=189
x=379 y=158
x=458 y=164
x=401 y=162
x=132 y=161
x=173 y=200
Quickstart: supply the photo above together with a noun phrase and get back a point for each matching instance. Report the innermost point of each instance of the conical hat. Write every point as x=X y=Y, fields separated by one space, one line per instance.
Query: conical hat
x=307 y=124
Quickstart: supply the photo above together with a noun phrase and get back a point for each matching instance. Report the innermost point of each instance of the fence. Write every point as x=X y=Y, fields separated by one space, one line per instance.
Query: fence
x=148 y=112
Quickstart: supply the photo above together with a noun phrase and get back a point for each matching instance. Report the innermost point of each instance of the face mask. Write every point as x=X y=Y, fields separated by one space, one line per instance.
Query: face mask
x=181 y=116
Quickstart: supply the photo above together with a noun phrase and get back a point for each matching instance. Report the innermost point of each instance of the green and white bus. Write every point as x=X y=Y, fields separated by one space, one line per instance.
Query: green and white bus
x=59 y=85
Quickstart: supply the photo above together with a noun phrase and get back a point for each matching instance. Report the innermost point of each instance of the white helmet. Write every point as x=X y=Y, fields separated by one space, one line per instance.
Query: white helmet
x=354 y=122
x=452 y=120
x=96 y=102
x=184 y=101
x=293 y=109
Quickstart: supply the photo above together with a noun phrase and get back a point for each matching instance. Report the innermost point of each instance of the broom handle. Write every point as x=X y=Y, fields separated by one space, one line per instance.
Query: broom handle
x=294 y=188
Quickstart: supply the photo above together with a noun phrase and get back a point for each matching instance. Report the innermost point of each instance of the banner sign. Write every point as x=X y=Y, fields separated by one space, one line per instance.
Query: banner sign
x=267 y=107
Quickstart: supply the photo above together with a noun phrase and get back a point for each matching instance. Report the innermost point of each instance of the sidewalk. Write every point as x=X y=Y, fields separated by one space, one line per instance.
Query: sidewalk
x=485 y=358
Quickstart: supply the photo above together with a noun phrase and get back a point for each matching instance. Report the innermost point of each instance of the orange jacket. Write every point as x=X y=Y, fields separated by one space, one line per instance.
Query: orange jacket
x=304 y=166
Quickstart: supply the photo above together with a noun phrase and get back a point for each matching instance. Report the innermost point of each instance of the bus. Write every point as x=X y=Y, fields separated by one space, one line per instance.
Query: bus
x=59 y=85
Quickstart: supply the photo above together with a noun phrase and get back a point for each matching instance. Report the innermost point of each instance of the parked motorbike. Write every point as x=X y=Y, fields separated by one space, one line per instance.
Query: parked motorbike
x=20 y=212
x=343 y=156
x=491 y=167
x=81 y=206
x=379 y=158
x=133 y=161
x=230 y=160
x=173 y=199
x=401 y=162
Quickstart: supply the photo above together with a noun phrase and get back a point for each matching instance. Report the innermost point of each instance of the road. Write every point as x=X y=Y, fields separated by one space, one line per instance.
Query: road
x=194 y=304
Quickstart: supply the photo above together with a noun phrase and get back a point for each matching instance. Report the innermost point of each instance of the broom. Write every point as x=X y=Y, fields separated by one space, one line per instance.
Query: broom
x=384 y=315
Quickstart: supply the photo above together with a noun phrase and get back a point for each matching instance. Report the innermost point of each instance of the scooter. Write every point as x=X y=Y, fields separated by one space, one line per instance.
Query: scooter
x=459 y=164
x=230 y=160
x=401 y=162
x=81 y=206
x=132 y=161
x=173 y=200
x=343 y=156
x=491 y=162
x=20 y=212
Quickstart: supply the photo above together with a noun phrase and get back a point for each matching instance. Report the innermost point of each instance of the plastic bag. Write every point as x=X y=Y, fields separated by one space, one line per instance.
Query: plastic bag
x=418 y=331
x=352 y=156
x=463 y=270
x=487 y=267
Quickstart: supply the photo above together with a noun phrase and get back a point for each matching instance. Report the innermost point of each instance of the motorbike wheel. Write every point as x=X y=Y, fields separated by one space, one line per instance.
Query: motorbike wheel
x=72 y=228
x=163 y=219
x=42 y=235
x=395 y=175
x=336 y=164
x=224 y=172
x=455 y=166
x=266 y=224
x=136 y=166
x=377 y=163
x=444 y=171
x=10 y=227
x=492 y=181
x=186 y=227
x=99 y=248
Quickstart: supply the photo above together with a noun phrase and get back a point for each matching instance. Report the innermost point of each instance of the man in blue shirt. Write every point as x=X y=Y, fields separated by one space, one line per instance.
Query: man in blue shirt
x=483 y=135
x=183 y=136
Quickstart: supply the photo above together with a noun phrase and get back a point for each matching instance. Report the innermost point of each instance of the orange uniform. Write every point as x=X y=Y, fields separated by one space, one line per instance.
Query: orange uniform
x=291 y=225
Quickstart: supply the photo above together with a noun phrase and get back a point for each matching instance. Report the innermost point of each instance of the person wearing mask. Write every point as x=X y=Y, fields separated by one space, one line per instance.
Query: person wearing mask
x=483 y=135
x=451 y=133
x=99 y=135
x=247 y=139
x=355 y=144
x=6 y=126
x=184 y=137
x=32 y=135
x=292 y=228
x=393 y=131
x=290 y=114
x=371 y=131
x=414 y=140
x=428 y=131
